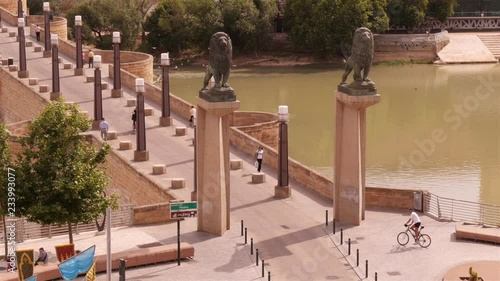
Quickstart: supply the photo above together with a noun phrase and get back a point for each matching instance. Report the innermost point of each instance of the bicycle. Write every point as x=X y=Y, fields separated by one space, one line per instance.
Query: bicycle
x=423 y=240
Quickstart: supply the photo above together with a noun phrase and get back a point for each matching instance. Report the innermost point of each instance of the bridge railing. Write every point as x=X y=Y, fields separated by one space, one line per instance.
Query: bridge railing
x=443 y=208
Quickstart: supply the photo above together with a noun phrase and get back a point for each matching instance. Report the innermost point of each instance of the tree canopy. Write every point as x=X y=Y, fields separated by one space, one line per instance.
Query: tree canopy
x=61 y=174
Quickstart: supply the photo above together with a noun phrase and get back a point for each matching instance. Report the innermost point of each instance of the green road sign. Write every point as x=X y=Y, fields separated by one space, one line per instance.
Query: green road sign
x=184 y=206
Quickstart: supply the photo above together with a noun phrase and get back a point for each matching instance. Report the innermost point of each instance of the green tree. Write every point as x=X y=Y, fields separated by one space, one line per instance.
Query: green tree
x=241 y=18
x=205 y=18
x=442 y=9
x=60 y=173
x=6 y=186
x=407 y=13
x=299 y=21
x=267 y=13
x=59 y=7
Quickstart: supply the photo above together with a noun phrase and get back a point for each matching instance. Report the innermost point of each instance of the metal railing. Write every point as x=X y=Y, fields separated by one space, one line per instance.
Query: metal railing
x=25 y=230
x=460 y=210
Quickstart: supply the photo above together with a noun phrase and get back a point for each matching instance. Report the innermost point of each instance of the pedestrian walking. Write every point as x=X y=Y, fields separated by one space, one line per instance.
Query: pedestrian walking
x=134 y=118
x=37 y=32
x=104 y=126
x=192 y=118
x=83 y=57
x=91 y=59
x=259 y=155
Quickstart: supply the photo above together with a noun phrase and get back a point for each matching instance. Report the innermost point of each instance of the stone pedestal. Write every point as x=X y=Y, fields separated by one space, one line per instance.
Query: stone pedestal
x=212 y=142
x=141 y=155
x=282 y=192
x=55 y=95
x=95 y=124
x=116 y=93
x=78 y=71
x=47 y=54
x=23 y=74
x=166 y=121
x=350 y=146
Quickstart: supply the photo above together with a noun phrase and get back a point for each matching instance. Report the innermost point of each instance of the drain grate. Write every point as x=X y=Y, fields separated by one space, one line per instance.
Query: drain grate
x=393 y=273
x=154 y=244
x=285 y=227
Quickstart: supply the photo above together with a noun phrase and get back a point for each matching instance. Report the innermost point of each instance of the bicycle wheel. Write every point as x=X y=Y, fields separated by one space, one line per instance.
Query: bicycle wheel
x=403 y=238
x=424 y=240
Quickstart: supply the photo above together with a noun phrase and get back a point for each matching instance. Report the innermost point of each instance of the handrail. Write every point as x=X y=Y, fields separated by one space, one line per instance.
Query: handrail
x=443 y=208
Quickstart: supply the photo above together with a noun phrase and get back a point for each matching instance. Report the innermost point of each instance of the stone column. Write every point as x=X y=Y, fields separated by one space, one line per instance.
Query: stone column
x=350 y=146
x=56 y=93
x=46 y=14
x=283 y=190
x=116 y=92
x=140 y=154
x=23 y=71
x=212 y=144
x=98 y=116
x=78 y=38
x=165 y=118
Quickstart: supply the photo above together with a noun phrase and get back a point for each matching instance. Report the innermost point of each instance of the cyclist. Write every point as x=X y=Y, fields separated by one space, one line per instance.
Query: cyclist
x=415 y=220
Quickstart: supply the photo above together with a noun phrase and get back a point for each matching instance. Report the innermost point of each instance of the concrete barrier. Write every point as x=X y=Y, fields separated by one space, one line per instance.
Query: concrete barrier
x=5 y=30
x=178 y=183
x=12 y=68
x=131 y=102
x=33 y=81
x=180 y=131
x=37 y=49
x=125 y=145
x=68 y=65
x=29 y=44
x=148 y=112
x=12 y=34
x=90 y=79
x=43 y=88
x=258 y=177
x=104 y=86
x=159 y=169
x=235 y=164
x=112 y=135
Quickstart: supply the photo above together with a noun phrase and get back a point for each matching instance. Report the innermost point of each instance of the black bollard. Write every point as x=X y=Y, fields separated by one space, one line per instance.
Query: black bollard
x=341 y=236
x=245 y=235
x=326 y=215
x=349 y=247
x=251 y=246
x=269 y=276
x=357 y=257
x=262 y=268
x=256 y=257
x=366 y=274
x=376 y=276
x=122 y=270
x=333 y=226
x=241 y=227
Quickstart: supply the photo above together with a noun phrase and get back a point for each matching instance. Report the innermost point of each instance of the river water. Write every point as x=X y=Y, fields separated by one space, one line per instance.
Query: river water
x=436 y=127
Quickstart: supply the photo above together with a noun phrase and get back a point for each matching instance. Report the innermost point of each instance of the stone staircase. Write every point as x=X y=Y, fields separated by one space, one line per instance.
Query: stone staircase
x=492 y=42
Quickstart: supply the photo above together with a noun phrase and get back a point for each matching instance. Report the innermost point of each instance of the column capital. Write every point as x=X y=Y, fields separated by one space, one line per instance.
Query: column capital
x=358 y=102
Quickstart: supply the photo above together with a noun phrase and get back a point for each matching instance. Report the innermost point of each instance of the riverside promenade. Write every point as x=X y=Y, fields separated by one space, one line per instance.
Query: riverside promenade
x=290 y=234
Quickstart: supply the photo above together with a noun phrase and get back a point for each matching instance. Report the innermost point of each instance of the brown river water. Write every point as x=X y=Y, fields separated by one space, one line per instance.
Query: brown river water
x=436 y=127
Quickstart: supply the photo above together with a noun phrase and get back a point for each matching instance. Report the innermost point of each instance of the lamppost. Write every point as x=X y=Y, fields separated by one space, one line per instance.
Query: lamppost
x=78 y=37
x=283 y=190
x=116 y=92
x=97 y=92
x=20 y=9
x=23 y=72
x=46 y=13
x=55 y=94
x=140 y=154
x=165 y=119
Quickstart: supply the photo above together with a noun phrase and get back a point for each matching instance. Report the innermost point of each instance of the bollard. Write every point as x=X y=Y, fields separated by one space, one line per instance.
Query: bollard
x=256 y=257
x=122 y=270
x=262 y=268
x=333 y=226
x=326 y=215
x=251 y=246
x=269 y=276
x=357 y=257
x=245 y=235
x=376 y=276
x=366 y=274
x=241 y=227
x=349 y=247
x=341 y=236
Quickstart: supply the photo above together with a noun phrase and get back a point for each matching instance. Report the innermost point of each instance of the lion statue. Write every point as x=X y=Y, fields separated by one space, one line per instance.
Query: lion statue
x=361 y=56
x=221 y=55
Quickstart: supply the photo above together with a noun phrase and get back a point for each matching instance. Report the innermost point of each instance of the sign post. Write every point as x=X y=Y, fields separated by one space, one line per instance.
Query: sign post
x=179 y=211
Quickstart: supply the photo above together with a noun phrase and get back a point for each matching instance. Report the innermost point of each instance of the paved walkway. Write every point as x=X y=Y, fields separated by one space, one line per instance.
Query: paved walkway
x=466 y=48
x=290 y=234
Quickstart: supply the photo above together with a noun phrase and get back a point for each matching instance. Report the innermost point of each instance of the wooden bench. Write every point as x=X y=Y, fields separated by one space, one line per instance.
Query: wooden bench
x=151 y=255
x=477 y=233
x=159 y=169
x=178 y=183
x=235 y=164
x=33 y=81
x=258 y=177
x=180 y=131
x=125 y=145
x=131 y=102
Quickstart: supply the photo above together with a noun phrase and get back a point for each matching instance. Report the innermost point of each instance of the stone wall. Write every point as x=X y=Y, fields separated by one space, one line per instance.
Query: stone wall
x=151 y=214
x=9 y=17
x=409 y=46
x=11 y=6
x=140 y=64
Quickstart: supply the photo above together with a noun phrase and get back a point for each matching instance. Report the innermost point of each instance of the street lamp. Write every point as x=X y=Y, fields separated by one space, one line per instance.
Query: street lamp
x=78 y=37
x=54 y=41
x=282 y=190
x=165 y=119
x=20 y=9
x=23 y=72
x=46 y=13
x=140 y=154
x=116 y=92
x=97 y=92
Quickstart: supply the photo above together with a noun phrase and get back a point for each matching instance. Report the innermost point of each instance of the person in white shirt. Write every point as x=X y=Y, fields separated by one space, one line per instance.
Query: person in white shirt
x=192 y=118
x=104 y=126
x=37 y=32
x=415 y=220
x=259 y=155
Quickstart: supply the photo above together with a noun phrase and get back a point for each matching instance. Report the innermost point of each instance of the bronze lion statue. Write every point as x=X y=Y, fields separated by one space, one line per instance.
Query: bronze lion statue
x=361 y=56
x=221 y=55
